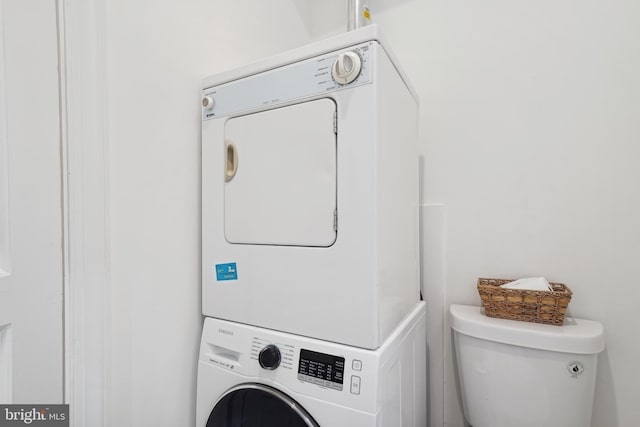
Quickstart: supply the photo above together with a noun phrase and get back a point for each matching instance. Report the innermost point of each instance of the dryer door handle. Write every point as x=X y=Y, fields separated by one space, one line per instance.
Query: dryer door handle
x=231 y=163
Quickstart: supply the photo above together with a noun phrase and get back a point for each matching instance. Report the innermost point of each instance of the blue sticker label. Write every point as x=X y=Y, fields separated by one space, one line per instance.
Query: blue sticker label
x=226 y=271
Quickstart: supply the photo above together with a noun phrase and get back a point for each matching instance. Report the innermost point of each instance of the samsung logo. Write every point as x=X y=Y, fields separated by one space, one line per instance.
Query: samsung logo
x=225 y=331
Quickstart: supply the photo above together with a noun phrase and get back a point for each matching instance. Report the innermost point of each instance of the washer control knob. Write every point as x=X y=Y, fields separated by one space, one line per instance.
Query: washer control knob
x=207 y=102
x=269 y=357
x=346 y=68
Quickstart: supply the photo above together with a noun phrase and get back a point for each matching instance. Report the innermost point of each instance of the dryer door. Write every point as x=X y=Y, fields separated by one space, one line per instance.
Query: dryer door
x=256 y=405
x=280 y=176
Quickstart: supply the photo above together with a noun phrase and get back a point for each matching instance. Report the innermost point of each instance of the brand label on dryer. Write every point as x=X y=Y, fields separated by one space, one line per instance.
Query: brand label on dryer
x=227 y=271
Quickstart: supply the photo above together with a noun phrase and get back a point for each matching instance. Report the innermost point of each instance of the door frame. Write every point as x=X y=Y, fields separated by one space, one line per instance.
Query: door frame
x=84 y=142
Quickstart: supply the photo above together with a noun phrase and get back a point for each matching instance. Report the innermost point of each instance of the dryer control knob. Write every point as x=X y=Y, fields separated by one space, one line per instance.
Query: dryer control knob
x=207 y=102
x=346 y=68
x=269 y=357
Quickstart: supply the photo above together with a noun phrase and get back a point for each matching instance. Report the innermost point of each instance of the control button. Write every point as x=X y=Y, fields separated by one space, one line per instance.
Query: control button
x=356 y=365
x=269 y=357
x=207 y=102
x=346 y=68
x=355 y=385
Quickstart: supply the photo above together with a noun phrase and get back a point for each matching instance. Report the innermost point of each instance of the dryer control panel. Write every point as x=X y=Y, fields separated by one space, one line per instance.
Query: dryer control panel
x=291 y=82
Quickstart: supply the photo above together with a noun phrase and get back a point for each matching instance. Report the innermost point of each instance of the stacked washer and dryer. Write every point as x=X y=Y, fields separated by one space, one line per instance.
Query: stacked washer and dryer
x=310 y=282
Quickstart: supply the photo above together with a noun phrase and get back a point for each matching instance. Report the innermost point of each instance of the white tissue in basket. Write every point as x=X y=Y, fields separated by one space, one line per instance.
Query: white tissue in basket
x=530 y=284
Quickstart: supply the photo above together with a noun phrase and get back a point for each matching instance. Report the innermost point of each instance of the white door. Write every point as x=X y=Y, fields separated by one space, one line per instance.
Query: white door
x=31 y=286
x=281 y=176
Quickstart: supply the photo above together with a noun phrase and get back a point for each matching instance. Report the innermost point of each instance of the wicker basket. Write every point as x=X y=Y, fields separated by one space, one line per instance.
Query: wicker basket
x=529 y=306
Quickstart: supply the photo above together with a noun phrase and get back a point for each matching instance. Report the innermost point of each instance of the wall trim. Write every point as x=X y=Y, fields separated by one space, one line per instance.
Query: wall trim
x=5 y=264
x=82 y=57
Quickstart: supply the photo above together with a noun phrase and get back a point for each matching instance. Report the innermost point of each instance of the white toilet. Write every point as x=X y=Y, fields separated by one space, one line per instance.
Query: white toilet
x=519 y=374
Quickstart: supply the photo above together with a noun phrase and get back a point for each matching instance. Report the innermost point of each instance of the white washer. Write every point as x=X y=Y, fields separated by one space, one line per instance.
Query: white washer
x=310 y=192
x=247 y=373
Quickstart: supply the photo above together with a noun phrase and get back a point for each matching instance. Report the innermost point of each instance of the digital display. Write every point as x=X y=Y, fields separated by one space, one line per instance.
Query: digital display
x=322 y=369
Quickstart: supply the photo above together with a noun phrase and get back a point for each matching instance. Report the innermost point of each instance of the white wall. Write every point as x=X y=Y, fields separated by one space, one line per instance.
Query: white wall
x=157 y=54
x=530 y=132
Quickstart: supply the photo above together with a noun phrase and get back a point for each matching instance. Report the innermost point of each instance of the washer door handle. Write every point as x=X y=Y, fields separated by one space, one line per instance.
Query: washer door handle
x=231 y=162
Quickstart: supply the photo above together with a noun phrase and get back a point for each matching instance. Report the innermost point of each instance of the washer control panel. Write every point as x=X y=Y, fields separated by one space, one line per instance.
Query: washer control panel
x=322 y=369
x=335 y=373
x=339 y=70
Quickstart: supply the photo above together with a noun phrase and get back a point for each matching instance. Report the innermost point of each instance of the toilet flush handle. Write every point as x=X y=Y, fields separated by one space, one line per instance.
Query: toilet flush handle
x=231 y=161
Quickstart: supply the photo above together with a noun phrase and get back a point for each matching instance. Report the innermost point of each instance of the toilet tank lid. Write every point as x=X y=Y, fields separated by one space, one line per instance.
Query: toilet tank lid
x=576 y=336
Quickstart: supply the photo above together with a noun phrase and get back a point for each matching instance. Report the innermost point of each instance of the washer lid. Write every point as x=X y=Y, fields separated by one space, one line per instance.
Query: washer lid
x=576 y=336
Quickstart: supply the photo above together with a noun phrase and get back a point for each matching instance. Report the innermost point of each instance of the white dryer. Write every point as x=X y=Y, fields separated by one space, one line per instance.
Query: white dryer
x=310 y=192
x=255 y=377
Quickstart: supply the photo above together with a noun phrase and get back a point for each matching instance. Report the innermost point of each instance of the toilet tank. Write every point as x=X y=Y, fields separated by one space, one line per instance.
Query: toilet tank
x=523 y=374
